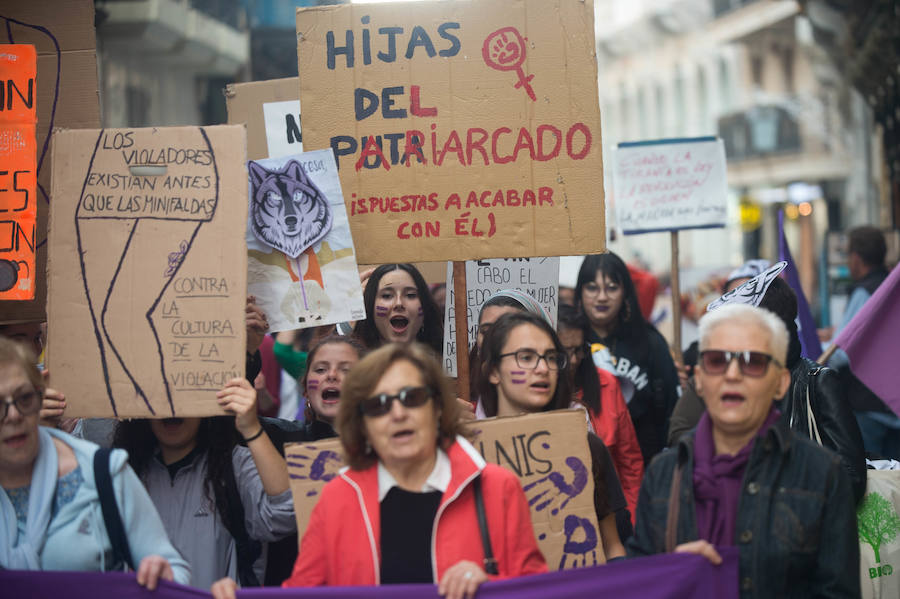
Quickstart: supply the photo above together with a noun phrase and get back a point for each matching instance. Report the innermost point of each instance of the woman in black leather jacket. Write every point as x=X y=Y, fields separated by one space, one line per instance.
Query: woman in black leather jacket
x=837 y=428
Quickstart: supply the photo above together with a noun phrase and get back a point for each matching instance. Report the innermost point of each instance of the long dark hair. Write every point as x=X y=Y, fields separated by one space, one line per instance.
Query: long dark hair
x=432 y=333
x=492 y=347
x=630 y=325
x=585 y=377
x=216 y=437
x=474 y=358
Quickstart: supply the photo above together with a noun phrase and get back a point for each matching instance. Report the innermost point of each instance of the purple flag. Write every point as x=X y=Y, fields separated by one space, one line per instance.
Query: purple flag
x=809 y=338
x=667 y=576
x=871 y=340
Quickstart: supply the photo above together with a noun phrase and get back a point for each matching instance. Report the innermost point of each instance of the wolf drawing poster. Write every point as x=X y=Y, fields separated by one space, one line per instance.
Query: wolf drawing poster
x=301 y=259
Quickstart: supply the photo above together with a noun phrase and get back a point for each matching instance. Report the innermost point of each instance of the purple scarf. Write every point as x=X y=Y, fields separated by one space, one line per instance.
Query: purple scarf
x=717 y=482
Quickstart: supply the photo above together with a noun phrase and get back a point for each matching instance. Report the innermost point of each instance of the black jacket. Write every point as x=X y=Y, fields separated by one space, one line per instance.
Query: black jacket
x=835 y=420
x=796 y=521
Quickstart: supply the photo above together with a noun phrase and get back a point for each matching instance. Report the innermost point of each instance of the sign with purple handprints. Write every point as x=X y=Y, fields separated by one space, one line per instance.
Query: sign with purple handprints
x=550 y=455
x=310 y=466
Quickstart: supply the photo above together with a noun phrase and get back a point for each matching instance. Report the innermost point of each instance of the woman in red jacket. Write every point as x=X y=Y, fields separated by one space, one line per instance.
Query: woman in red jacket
x=405 y=510
x=598 y=390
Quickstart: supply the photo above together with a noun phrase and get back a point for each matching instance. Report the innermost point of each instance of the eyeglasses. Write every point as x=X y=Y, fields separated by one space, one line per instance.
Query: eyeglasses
x=594 y=288
x=529 y=359
x=381 y=404
x=751 y=363
x=27 y=403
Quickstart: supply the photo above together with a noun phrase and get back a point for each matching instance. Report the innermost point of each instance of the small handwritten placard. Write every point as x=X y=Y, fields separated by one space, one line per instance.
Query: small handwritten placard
x=670 y=184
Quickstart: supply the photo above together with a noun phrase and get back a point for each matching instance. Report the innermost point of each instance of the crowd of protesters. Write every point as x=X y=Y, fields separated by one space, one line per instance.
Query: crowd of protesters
x=206 y=501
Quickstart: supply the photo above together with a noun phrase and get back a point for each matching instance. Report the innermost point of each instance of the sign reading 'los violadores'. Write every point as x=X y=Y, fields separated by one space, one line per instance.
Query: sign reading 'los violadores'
x=461 y=130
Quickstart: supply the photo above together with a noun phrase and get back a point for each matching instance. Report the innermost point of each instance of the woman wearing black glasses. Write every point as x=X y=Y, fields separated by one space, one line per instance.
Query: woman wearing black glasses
x=744 y=479
x=524 y=371
x=405 y=510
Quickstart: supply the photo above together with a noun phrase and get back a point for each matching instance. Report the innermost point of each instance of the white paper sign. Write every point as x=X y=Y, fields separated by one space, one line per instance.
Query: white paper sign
x=668 y=185
x=283 y=128
x=321 y=285
x=538 y=277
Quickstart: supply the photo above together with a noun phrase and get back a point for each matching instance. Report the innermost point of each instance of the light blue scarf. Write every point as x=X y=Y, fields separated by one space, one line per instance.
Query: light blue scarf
x=24 y=556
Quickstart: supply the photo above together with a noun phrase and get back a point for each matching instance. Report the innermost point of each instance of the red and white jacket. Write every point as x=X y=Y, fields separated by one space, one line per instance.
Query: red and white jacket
x=341 y=546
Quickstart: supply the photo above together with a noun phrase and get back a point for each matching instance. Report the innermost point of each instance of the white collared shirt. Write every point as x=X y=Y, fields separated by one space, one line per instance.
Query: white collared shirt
x=438 y=480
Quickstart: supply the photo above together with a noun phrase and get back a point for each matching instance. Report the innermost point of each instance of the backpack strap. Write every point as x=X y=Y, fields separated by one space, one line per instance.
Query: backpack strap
x=112 y=519
x=490 y=564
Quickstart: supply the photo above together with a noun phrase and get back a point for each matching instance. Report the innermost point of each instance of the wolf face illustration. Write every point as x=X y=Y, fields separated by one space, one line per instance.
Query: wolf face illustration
x=289 y=213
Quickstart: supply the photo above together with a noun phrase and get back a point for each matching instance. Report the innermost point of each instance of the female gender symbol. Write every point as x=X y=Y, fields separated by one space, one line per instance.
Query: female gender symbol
x=504 y=50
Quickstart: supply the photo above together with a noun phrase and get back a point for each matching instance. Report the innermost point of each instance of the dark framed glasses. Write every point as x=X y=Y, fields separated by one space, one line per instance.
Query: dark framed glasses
x=27 y=403
x=529 y=359
x=751 y=363
x=410 y=397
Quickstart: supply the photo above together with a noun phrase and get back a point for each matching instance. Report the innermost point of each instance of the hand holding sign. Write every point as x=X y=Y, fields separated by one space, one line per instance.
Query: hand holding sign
x=504 y=50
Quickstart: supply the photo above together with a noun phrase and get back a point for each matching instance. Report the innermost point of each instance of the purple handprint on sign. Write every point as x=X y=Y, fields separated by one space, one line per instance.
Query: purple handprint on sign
x=554 y=488
x=323 y=467
x=584 y=552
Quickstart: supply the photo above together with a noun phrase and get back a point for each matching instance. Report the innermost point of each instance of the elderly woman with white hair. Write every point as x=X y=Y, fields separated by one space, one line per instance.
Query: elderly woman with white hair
x=744 y=479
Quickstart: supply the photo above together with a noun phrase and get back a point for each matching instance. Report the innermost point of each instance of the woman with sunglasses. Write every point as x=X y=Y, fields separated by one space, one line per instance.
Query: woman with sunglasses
x=523 y=371
x=50 y=512
x=400 y=309
x=405 y=509
x=744 y=479
x=598 y=391
x=643 y=364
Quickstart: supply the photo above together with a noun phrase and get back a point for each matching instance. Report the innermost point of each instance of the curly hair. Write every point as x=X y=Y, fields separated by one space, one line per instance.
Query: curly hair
x=364 y=377
x=432 y=333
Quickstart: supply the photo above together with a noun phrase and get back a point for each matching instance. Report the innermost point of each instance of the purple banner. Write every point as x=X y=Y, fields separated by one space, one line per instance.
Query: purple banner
x=668 y=576
x=870 y=341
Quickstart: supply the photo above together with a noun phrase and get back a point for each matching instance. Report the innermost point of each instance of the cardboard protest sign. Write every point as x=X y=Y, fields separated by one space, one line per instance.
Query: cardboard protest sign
x=148 y=286
x=456 y=137
x=271 y=111
x=538 y=277
x=18 y=168
x=670 y=184
x=548 y=452
x=301 y=259
x=65 y=95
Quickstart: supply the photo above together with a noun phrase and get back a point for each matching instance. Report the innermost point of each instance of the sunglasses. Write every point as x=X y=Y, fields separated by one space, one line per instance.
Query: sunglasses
x=751 y=363
x=381 y=404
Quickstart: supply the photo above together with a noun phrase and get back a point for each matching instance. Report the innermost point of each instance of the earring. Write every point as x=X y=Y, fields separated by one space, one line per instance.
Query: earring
x=368 y=447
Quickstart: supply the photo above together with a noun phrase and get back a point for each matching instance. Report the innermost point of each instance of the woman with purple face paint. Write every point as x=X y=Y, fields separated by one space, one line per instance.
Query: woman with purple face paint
x=523 y=371
x=400 y=309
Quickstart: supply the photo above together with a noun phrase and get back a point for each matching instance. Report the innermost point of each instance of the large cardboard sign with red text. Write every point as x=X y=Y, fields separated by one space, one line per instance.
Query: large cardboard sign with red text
x=149 y=280
x=548 y=452
x=462 y=130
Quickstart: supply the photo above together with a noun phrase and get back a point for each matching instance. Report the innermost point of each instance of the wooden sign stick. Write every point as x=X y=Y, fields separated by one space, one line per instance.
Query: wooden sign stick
x=462 y=329
x=676 y=300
